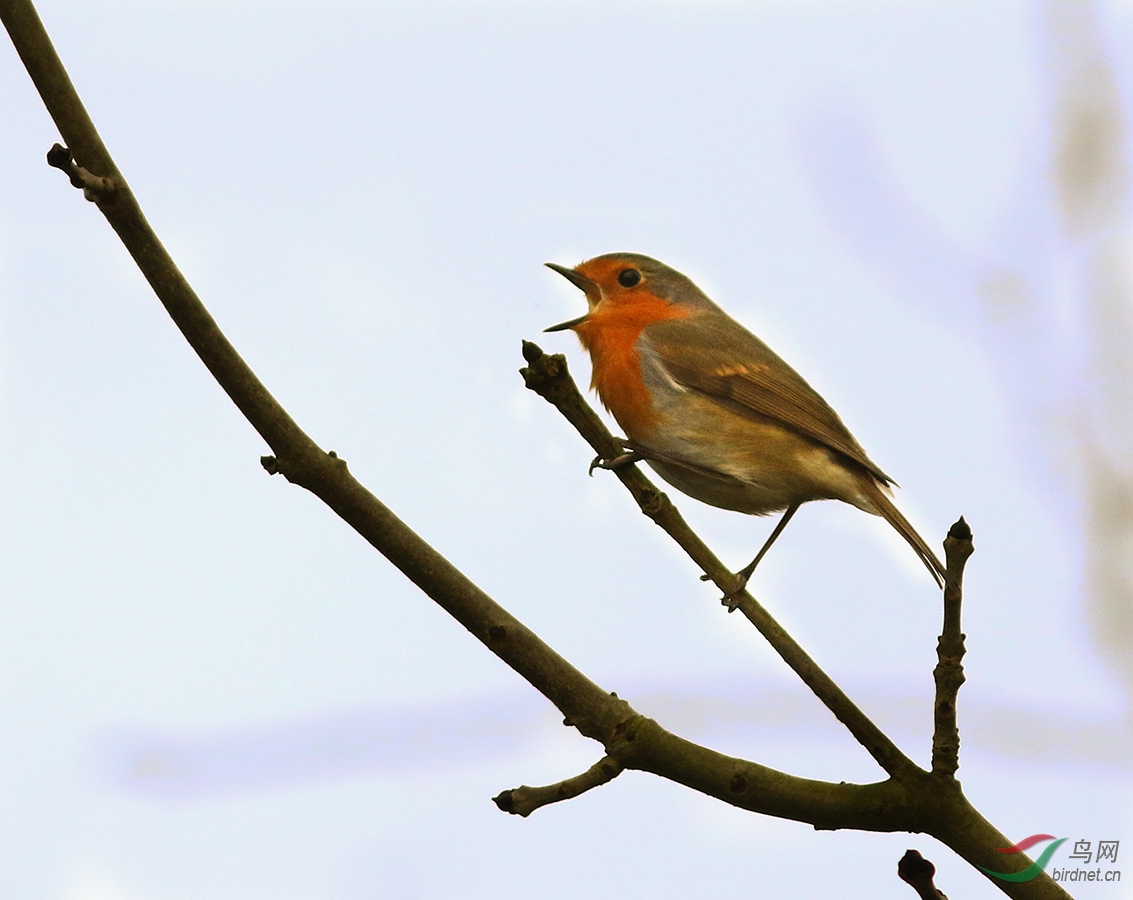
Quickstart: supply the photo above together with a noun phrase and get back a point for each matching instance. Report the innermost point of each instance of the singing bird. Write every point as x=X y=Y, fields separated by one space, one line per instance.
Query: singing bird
x=711 y=408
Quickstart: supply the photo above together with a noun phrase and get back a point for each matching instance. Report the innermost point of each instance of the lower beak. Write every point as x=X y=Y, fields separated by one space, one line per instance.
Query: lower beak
x=581 y=282
x=563 y=326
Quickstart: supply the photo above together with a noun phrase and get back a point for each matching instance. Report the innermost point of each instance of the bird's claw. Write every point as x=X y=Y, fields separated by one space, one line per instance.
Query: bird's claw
x=732 y=598
x=615 y=463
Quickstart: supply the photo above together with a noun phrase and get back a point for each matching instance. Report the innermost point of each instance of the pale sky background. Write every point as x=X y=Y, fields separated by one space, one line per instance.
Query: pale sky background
x=210 y=687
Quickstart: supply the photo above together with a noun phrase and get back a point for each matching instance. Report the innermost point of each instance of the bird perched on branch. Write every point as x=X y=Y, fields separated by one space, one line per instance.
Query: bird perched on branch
x=711 y=408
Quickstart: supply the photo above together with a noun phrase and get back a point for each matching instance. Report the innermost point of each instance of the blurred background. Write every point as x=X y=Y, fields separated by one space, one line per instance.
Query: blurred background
x=212 y=688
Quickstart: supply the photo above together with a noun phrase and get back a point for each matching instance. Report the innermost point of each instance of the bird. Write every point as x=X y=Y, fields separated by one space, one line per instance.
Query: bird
x=711 y=408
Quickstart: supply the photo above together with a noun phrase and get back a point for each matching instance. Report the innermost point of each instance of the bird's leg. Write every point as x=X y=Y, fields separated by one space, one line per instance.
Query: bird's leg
x=628 y=458
x=745 y=573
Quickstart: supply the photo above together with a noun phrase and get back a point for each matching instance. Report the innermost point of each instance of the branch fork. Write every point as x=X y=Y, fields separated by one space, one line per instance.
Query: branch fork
x=929 y=801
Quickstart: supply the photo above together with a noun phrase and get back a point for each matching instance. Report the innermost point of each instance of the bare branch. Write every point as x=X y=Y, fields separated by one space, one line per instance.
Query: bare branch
x=949 y=673
x=524 y=800
x=915 y=870
x=95 y=187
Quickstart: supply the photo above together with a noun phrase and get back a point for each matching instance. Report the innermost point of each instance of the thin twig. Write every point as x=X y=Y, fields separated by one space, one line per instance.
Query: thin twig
x=524 y=800
x=949 y=673
x=95 y=187
x=918 y=872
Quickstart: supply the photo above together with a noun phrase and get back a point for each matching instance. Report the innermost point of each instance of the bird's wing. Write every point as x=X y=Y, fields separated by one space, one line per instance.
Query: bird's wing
x=715 y=355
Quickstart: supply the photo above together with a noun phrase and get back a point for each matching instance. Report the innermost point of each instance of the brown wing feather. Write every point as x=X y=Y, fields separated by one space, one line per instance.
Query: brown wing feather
x=740 y=371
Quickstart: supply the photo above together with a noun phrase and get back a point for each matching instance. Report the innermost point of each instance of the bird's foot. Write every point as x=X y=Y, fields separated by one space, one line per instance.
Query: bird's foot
x=732 y=598
x=625 y=459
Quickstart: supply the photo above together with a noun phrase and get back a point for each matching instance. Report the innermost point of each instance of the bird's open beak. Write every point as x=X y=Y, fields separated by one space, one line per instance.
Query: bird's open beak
x=588 y=287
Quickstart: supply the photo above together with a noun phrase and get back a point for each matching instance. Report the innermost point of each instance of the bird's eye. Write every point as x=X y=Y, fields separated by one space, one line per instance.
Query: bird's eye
x=629 y=277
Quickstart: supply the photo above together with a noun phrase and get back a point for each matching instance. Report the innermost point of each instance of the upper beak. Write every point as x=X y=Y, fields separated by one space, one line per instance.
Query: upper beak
x=587 y=286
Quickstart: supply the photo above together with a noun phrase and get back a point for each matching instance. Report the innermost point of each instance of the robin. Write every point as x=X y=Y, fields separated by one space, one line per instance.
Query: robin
x=711 y=408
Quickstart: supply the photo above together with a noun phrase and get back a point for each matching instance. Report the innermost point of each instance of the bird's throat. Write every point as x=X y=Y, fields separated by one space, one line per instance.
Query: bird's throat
x=611 y=337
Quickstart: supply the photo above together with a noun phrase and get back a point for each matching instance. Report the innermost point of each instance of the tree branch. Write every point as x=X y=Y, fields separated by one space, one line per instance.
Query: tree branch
x=524 y=800
x=949 y=673
x=95 y=187
x=918 y=872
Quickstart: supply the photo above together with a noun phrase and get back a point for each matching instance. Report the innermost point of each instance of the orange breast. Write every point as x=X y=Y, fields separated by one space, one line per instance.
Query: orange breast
x=609 y=334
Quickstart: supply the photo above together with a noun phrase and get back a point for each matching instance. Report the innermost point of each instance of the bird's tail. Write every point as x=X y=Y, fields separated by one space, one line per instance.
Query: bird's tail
x=885 y=508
